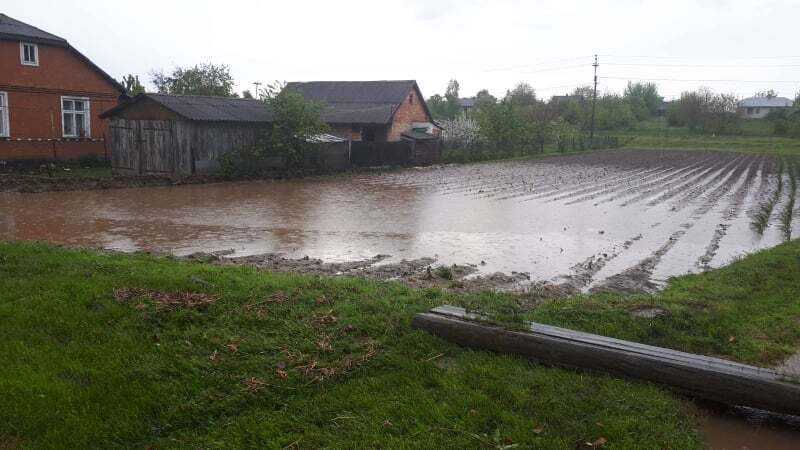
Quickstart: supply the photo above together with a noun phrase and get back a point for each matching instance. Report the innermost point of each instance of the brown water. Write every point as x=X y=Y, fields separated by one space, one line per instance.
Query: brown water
x=750 y=430
x=594 y=218
x=623 y=219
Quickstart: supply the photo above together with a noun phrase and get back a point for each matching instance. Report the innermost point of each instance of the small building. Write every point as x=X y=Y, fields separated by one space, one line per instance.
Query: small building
x=50 y=96
x=370 y=111
x=760 y=107
x=183 y=135
x=467 y=104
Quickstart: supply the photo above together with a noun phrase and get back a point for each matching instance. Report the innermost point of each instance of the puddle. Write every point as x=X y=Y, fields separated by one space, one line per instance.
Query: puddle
x=749 y=430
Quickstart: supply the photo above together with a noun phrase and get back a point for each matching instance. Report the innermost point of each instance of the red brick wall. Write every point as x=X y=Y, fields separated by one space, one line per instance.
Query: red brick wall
x=411 y=110
x=34 y=102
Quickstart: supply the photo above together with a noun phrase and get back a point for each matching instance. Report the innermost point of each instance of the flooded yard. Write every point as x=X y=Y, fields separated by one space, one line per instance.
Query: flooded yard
x=622 y=220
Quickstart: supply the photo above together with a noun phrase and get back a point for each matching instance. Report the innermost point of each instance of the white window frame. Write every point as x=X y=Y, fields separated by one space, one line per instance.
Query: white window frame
x=4 y=114
x=35 y=47
x=86 y=113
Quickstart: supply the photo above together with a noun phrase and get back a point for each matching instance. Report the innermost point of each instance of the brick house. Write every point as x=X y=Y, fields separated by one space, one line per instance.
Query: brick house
x=50 y=96
x=372 y=111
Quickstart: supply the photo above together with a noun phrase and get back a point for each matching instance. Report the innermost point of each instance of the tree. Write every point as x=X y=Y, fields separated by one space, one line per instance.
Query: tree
x=770 y=93
x=705 y=111
x=484 y=98
x=644 y=99
x=522 y=94
x=203 y=79
x=438 y=106
x=297 y=122
x=246 y=94
x=132 y=85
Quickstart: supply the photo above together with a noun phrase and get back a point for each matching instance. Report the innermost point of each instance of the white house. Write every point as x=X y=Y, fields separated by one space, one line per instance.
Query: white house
x=759 y=107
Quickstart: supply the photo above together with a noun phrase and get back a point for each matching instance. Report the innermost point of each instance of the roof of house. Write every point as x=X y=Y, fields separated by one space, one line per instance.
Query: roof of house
x=766 y=102
x=468 y=102
x=358 y=102
x=204 y=108
x=13 y=29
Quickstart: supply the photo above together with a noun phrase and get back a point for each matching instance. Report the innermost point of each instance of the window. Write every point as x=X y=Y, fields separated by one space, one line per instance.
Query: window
x=4 y=127
x=749 y=111
x=75 y=116
x=29 y=54
x=411 y=98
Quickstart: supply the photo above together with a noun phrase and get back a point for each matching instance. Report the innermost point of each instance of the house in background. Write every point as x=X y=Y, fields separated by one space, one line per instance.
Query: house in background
x=372 y=111
x=760 y=107
x=467 y=104
x=50 y=96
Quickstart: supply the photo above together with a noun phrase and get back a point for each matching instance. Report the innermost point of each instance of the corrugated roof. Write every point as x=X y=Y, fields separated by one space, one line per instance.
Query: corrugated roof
x=766 y=102
x=205 y=108
x=357 y=102
x=14 y=29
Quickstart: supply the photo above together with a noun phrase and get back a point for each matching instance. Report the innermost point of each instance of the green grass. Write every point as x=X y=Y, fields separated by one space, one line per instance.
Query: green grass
x=83 y=172
x=756 y=137
x=267 y=366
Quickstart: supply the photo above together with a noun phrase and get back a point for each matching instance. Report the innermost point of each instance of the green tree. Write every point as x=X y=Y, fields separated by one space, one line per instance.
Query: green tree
x=438 y=106
x=769 y=93
x=132 y=85
x=643 y=98
x=297 y=121
x=522 y=95
x=203 y=79
x=484 y=98
x=247 y=94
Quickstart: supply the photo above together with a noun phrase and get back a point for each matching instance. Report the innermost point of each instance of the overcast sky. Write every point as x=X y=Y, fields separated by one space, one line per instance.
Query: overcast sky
x=483 y=44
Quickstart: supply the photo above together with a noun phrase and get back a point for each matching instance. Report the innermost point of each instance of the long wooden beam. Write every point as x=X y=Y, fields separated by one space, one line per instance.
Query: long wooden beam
x=704 y=377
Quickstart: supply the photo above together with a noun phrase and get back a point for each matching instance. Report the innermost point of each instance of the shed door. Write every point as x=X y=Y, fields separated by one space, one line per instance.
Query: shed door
x=124 y=139
x=156 y=149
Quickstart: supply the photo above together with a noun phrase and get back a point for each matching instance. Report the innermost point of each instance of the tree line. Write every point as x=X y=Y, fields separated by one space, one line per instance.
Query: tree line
x=521 y=123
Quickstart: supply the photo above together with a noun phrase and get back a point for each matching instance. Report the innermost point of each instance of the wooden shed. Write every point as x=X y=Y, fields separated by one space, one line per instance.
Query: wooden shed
x=181 y=134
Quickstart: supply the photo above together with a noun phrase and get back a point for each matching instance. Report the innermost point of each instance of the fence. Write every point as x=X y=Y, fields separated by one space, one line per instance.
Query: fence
x=382 y=153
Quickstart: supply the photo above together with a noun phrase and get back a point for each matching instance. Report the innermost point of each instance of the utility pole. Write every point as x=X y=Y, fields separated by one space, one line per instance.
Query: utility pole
x=594 y=100
x=257 y=84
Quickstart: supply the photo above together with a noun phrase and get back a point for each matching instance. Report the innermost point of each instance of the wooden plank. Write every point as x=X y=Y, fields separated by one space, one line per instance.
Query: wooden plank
x=704 y=377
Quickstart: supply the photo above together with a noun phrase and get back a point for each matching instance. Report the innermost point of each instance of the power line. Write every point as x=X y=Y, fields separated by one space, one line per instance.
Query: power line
x=702 y=65
x=702 y=81
x=703 y=56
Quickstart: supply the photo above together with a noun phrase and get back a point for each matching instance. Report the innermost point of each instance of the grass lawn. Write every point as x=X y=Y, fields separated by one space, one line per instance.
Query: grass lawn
x=275 y=360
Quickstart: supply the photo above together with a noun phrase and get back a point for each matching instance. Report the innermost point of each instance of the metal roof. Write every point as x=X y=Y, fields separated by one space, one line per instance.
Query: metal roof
x=205 y=108
x=766 y=102
x=358 y=102
x=14 y=29
x=418 y=135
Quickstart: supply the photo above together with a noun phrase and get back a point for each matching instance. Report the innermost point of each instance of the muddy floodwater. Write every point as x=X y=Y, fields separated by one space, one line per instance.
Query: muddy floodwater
x=622 y=220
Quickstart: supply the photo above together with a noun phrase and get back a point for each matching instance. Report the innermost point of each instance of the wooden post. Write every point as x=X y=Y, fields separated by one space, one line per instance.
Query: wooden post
x=704 y=377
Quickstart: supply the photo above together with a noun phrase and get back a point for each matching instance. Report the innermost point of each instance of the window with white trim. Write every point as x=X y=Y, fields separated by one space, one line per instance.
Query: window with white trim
x=28 y=54
x=75 y=116
x=4 y=127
